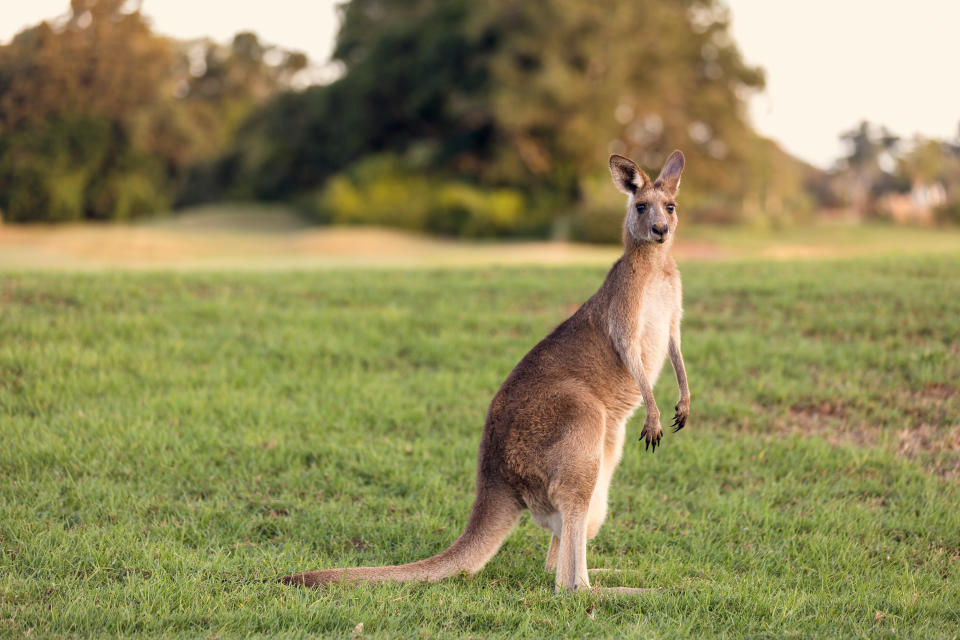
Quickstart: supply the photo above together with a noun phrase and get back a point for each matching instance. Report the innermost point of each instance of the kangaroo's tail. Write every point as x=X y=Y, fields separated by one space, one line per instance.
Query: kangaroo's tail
x=495 y=512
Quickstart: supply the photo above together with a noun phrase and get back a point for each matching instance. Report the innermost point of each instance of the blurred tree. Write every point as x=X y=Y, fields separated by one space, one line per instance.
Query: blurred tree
x=218 y=88
x=414 y=79
x=932 y=169
x=100 y=118
x=496 y=93
x=102 y=62
x=639 y=78
x=925 y=162
x=66 y=92
x=862 y=173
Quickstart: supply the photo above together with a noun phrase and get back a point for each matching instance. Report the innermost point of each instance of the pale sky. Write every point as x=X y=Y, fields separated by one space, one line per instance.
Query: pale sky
x=829 y=63
x=832 y=63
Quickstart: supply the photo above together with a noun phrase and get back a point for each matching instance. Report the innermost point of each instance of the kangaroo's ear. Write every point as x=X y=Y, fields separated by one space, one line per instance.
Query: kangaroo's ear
x=627 y=176
x=669 y=178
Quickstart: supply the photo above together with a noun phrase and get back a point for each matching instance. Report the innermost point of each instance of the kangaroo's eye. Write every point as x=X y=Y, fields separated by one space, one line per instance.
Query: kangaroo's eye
x=671 y=208
x=641 y=208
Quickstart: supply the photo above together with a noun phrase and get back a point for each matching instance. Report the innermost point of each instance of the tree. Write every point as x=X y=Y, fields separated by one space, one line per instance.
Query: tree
x=862 y=172
x=101 y=118
x=495 y=93
x=925 y=162
x=66 y=94
x=103 y=62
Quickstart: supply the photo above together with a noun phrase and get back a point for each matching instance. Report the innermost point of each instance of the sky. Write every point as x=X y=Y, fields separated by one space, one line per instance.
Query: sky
x=829 y=63
x=832 y=63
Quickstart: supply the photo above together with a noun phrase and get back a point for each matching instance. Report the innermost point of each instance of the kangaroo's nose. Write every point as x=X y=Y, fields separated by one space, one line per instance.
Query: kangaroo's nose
x=660 y=229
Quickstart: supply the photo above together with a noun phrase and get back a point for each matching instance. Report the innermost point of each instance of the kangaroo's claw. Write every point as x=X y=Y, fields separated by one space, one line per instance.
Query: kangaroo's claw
x=679 y=419
x=652 y=438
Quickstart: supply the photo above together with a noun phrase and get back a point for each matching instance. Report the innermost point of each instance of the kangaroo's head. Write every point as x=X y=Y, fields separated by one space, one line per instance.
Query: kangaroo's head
x=652 y=205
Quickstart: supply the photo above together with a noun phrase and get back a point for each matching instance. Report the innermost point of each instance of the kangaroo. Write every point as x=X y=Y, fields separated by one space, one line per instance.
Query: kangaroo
x=555 y=430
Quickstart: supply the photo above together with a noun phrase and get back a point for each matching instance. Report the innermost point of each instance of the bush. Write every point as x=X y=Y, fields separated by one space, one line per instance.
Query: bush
x=948 y=213
x=598 y=217
x=599 y=226
x=44 y=170
x=126 y=195
x=74 y=169
x=380 y=190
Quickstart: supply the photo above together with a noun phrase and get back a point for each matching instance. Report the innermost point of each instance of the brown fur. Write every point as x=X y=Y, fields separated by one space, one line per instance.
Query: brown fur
x=555 y=430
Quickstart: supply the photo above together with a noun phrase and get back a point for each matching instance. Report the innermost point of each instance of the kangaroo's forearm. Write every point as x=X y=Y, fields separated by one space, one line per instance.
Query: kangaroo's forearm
x=676 y=359
x=630 y=354
x=652 y=431
x=683 y=406
x=646 y=390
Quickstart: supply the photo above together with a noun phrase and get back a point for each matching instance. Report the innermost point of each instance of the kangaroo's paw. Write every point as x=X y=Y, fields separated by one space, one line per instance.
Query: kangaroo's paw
x=680 y=417
x=652 y=432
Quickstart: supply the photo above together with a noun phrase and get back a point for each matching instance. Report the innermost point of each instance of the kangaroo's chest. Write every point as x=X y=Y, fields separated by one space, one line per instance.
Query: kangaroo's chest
x=656 y=307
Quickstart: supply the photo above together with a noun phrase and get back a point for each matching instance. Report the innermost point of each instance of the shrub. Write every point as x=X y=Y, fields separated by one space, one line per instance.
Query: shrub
x=948 y=213
x=44 y=170
x=380 y=190
x=73 y=169
x=126 y=195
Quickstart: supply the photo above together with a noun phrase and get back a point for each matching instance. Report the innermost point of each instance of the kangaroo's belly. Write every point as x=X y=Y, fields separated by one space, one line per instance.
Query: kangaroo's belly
x=653 y=330
x=654 y=342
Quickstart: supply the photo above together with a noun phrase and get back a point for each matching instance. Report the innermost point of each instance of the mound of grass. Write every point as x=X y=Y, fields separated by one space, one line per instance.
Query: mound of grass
x=172 y=443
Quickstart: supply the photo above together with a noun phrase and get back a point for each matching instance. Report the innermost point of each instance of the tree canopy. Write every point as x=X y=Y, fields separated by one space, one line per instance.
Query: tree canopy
x=101 y=119
x=470 y=118
x=526 y=96
x=532 y=95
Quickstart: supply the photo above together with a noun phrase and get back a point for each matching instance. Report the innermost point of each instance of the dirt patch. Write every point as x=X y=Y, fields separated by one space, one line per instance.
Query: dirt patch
x=933 y=404
x=928 y=435
x=822 y=409
x=815 y=418
x=942 y=446
x=801 y=251
x=698 y=251
x=183 y=246
x=359 y=544
x=910 y=442
x=11 y=293
x=831 y=422
x=244 y=239
x=936 y=391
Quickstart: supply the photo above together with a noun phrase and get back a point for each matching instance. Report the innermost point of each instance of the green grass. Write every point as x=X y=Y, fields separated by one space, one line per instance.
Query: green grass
x=172 y=443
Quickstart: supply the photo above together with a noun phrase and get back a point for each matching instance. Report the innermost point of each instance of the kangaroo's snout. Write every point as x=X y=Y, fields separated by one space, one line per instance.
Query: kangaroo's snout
x=659 y=231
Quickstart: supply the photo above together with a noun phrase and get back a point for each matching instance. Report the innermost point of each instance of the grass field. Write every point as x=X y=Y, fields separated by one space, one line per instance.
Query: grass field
x=173 y=442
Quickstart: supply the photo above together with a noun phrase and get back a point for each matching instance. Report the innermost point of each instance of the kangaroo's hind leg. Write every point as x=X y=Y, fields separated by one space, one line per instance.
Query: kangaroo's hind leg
x=552 y=552
x=575 y=463
x=572 y=554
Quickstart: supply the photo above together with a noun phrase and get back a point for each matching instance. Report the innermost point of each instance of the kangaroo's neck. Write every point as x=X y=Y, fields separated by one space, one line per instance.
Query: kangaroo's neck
x=643 y=261
x=630 y=275
x=647 y=254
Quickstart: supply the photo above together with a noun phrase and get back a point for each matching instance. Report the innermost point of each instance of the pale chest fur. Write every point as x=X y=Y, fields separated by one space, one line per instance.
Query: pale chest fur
x=646 y=311
x=657 y=306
